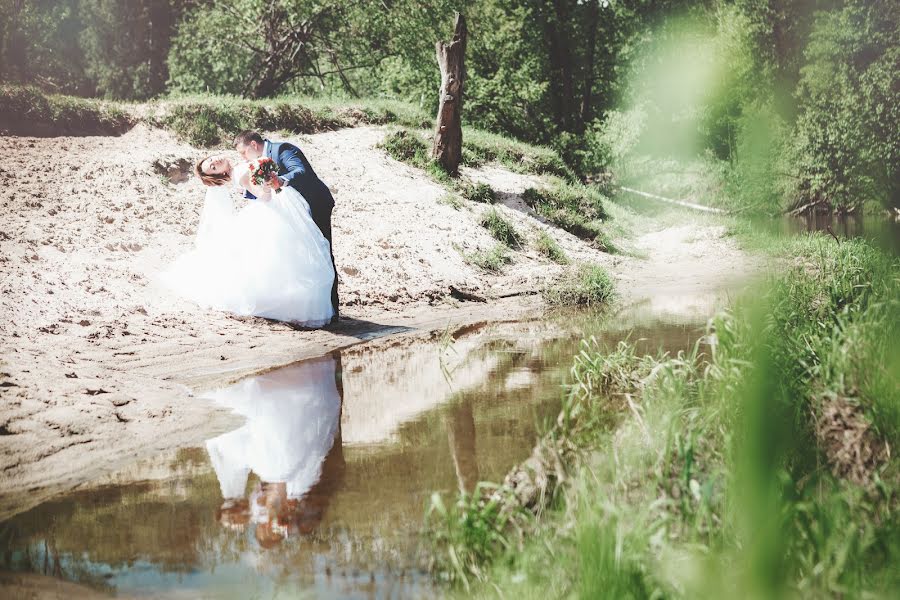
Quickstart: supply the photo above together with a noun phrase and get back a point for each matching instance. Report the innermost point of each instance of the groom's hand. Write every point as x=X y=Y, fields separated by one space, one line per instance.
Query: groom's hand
x=274 y=182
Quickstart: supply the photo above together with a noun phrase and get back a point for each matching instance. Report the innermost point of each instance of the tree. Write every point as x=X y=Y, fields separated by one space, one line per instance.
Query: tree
x=258 y=47
x=125 y=46
x=447 y=148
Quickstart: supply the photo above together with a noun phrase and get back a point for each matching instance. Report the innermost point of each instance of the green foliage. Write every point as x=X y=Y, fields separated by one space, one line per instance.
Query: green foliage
x=577 y=208
x=481 y=147
x=587 y=285
x=210 y=121
x=848 y=147
x=28 y=111
x=491 y=261
x=501 y=229
x=479 y=192
x=725 y=471
x=467 y=534
x=40 y=44
x=125 y=46
x=548 y=247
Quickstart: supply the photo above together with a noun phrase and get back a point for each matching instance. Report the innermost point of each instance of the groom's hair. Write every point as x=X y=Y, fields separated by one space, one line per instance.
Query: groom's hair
x=245 y=137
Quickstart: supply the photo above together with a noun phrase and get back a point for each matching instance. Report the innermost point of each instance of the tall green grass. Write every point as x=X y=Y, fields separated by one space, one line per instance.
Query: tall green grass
x=28 y=111
x=214 y=120
x=759 y=465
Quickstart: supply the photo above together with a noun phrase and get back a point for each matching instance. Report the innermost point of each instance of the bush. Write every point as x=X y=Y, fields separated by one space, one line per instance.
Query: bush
x=407 y=147
x=588 y=285
x=577 y=208
x=481 y=147
x=548 y=247
x=479 y=192
x=501 y=228
x=492 y=260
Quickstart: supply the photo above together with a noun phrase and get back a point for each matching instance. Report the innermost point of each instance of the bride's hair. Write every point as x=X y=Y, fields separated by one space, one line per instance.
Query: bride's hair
x=210 y=179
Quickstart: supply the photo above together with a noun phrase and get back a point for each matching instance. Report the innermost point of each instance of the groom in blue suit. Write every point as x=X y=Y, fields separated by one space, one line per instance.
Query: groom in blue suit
x=294 y=170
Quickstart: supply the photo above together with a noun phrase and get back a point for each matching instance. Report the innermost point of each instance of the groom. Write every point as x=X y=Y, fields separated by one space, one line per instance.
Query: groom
x=294 y=170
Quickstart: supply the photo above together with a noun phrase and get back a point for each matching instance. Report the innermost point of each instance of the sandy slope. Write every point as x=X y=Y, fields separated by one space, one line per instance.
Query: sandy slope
x=97 y=362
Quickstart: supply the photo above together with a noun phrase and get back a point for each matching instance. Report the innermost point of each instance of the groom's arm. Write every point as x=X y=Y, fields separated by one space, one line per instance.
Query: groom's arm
x=295 y=166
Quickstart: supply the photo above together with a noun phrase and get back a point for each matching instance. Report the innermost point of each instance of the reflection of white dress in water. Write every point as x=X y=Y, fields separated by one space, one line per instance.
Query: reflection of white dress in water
x=292 y=419
x=267 y=259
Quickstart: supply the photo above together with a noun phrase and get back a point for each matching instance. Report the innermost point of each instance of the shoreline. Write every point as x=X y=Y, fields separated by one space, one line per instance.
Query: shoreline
x=99 y=367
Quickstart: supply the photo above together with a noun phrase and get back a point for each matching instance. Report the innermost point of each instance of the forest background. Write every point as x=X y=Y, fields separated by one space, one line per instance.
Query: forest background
x=763 y=105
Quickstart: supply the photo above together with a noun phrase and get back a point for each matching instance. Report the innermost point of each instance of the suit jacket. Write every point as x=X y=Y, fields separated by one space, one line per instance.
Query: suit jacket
x=294 y=170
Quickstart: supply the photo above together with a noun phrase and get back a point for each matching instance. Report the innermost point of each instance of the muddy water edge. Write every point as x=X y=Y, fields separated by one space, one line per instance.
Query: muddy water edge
x=322 y=491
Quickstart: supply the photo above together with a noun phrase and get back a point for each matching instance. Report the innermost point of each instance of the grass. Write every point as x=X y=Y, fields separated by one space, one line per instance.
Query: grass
x=577 y=208
x=480 y=147
x=203 y=121
x=28 y=111
x=413 y=146
x=491 y=261
x=587 y=285
x=478 y=192
x=547 y=246
x=754 y=466
x=501 y=229
x=214 y=120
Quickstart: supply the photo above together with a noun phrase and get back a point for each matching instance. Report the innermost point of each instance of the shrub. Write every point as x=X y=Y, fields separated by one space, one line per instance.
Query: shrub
x=548 y=247
x=406 y=146
x=501 y=228
x=492 y=260
x=479 y=192
x=577 y=208
x=589 y=285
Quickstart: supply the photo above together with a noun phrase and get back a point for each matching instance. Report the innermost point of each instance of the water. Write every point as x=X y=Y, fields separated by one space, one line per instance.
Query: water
x=323 y=491
x=883 y=232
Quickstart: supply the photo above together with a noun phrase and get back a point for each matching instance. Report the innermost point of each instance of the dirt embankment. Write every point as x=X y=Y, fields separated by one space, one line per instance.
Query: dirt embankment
x=98 y=363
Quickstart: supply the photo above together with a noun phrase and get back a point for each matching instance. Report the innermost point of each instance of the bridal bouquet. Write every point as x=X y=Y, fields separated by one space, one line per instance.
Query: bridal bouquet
x=261 y=171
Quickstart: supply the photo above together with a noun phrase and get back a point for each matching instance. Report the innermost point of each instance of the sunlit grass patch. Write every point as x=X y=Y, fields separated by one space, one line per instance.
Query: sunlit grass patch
x=480 y=147
x=477 y=192
x=29 y=111
x=755 y=465
x=501 y=228
x=577 y=208
x=587 y=285
x=492 y=260
x=214 y=120
x=548 y=247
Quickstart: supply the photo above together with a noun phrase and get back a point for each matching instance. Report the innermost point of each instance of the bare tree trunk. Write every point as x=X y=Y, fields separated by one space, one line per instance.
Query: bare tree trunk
x=447 y=148
x=461 y=436
x=587 y=98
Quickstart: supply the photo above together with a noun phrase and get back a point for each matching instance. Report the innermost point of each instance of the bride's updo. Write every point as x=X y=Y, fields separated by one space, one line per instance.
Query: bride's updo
x=211 y=179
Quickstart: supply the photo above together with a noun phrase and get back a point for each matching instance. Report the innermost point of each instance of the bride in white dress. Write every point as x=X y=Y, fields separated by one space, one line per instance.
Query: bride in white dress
x=267 y=259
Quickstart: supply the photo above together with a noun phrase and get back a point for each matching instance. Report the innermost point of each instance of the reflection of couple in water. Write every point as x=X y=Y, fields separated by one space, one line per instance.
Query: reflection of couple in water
x=291 y=441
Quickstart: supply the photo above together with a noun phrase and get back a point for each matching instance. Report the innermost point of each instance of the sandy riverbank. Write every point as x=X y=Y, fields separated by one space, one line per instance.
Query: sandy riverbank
x=99 y=366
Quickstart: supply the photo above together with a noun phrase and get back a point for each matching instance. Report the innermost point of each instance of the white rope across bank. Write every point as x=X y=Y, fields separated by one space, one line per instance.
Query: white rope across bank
x=678 y=202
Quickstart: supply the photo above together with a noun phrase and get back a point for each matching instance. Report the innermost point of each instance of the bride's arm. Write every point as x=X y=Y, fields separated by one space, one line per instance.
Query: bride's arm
x=260 y=192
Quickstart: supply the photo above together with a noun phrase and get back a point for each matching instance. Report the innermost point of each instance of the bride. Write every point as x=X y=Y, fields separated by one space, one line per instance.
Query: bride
x=267 y=259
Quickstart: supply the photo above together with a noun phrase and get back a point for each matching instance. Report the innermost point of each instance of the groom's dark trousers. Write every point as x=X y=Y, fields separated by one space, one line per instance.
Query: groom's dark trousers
x=294 y=170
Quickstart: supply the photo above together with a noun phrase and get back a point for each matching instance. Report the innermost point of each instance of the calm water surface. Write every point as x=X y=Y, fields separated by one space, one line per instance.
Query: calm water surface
x=323 y=491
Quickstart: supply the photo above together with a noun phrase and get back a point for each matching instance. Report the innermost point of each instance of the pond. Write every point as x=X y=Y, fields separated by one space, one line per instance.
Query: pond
x=324 y=489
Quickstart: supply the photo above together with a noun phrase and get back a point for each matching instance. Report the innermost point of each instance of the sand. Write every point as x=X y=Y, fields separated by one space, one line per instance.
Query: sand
x=101 y=366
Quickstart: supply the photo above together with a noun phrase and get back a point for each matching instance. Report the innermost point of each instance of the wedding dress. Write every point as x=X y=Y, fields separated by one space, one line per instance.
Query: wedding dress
x=293 y=415
x=267 y=259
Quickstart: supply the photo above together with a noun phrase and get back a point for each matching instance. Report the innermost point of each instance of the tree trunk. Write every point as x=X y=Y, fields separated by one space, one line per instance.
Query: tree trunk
x=461 y=436
x=447 y=148
x=587 y=97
